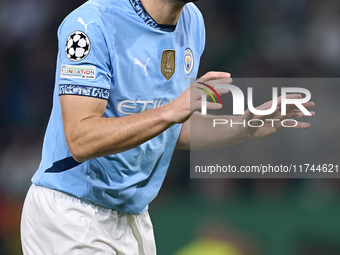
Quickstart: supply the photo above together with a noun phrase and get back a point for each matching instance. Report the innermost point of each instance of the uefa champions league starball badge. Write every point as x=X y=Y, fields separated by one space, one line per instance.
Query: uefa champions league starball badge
x=78 y=46
x=188 y=61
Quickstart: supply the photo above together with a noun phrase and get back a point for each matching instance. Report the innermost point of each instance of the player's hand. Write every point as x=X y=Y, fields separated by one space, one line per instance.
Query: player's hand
x=270 y=127
x=190 y=100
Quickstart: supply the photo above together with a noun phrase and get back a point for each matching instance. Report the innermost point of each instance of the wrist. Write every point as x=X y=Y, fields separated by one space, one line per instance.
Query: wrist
x=174 y=114
x=243 y=131
x=169 y=113
x=248 y=131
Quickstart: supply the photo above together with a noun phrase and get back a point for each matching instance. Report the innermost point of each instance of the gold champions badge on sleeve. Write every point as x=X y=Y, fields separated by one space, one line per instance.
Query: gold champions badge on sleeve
x=168 y=63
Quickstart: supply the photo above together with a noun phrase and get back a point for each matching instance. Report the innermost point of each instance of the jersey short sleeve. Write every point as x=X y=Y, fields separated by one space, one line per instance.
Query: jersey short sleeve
x=84 y=55
x=198 y=21
x=202 y=26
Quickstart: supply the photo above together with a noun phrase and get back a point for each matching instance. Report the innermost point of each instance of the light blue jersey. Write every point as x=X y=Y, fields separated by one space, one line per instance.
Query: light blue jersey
x=113 y=50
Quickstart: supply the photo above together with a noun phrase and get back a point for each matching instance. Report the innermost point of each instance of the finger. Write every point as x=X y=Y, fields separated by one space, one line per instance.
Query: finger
x=307 y=105
x=210 y=106
x=222 y=91
x=211 y=86
x=296 y=124
x=298 y=114
x=214 y=82
x=213 y=106
x=209 y=89
x=289 y=96
x=216 y=75
x=294 y=96
x=302 y=125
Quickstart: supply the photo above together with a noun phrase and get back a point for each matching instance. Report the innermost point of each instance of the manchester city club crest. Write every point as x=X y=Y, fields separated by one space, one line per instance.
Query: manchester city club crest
x=188 y=61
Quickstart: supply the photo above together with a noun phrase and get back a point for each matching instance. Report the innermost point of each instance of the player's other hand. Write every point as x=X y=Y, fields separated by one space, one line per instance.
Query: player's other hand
x=190 y=100
x=271 y=127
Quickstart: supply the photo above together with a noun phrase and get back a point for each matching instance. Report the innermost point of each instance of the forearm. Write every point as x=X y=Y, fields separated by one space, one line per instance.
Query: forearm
x=199 y=133
x=88 y=135
x=96 y=136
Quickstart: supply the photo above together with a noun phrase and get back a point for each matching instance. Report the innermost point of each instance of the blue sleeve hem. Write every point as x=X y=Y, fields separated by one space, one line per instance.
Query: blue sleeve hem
x=83 y=90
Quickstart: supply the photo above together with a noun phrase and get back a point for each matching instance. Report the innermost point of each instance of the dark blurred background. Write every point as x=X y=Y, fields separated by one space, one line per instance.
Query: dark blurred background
x=258 y=38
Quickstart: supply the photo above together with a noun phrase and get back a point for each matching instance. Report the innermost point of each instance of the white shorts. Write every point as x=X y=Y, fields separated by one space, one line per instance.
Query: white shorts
x=55 y=223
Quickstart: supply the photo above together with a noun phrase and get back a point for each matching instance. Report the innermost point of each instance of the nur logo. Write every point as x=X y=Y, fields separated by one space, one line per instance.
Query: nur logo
x=204 y=97
x=239 y=100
